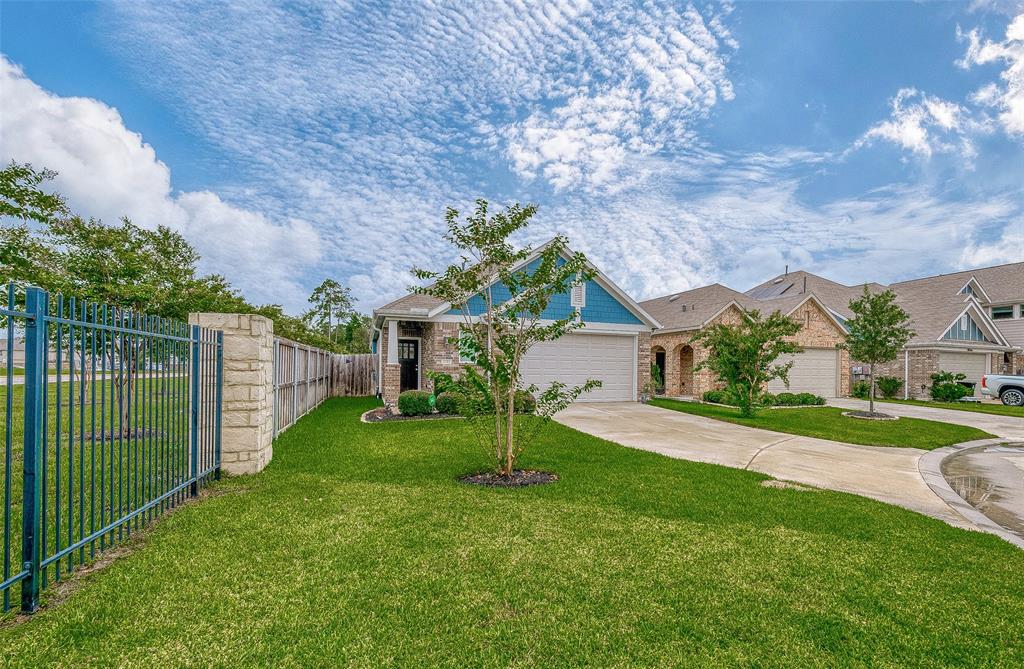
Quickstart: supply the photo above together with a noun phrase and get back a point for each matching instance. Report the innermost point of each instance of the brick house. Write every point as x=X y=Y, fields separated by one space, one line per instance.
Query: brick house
x=416 y=334
x=970 y=322
x=822 y=368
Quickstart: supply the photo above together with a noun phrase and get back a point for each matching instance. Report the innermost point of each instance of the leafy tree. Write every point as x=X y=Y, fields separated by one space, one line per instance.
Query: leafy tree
x=356 y=335
x=743 y=355
x=331 y=302
x=22 y=198
x=877 y=333
x=506 y=329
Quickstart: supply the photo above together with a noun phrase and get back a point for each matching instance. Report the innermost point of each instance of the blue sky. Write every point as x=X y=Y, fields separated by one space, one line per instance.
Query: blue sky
x=675 y=144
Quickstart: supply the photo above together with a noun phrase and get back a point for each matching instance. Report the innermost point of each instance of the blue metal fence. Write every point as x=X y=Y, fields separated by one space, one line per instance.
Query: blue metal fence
x=111 y=418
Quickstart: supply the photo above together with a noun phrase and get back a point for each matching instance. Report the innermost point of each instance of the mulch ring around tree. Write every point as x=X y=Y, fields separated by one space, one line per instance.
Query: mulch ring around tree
x=868 y=415
x=520 y=478
x=385 y=414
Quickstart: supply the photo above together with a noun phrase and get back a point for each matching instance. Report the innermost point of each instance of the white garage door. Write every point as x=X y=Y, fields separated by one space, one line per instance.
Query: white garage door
x=816 y=370
x=971 y=364
x=575 y=358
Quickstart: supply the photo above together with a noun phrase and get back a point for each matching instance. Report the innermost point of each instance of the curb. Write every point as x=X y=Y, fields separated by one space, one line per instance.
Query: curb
x=930 y=467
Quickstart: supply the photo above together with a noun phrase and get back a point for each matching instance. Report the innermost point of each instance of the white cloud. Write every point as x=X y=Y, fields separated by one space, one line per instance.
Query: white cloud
x=1008 y=98
x=665 y=68
x=1007 y=248
x=923 y=124
x=366 y=121
x=107 y=171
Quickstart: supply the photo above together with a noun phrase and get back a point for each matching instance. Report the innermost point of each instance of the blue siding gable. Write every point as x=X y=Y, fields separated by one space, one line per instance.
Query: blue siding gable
x=969 y=333
x=601 y=306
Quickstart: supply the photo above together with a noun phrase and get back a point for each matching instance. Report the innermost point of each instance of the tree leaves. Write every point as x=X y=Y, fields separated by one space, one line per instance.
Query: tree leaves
x=743 y=355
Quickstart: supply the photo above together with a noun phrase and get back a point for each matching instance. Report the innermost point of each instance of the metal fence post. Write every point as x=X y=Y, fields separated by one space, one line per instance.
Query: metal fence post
x=220 y=398
x=195 y=387
x=35 y=382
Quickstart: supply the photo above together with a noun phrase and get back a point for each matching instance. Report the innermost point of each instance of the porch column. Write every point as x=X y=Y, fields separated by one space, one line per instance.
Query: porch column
x=391 y=384
x=672 y=371
x=392 y=342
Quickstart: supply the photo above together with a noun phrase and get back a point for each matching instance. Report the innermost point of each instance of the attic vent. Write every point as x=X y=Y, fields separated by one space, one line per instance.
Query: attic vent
x=684 y=307
x=674 y=298
x=578 y=297
x=779 y=280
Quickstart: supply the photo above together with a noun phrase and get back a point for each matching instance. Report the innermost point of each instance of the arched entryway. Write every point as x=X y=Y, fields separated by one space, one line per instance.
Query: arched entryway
x=658 y=360
x=686 y=370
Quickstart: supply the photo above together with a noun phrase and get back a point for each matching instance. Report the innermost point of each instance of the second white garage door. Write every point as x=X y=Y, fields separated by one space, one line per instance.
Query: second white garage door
x=971 y=364
x=816 y=370
x=575 y=358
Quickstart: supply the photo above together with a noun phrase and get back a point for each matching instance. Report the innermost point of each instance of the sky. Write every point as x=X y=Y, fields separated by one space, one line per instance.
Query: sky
x=675 y=144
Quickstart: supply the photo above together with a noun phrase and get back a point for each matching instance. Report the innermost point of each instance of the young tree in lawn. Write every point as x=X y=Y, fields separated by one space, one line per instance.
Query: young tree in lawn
x=743 y=355
x=877 y=333
x=491 y=269
x=331 y=301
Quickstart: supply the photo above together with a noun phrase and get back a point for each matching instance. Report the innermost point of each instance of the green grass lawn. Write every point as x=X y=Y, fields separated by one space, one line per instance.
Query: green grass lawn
x=997 y=409
x=357 y=547
x=104 y=477
x=17 y=371
x=830 y=423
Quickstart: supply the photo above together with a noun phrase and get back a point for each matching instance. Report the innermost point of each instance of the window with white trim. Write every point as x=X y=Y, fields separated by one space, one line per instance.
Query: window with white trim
x=1001 y=313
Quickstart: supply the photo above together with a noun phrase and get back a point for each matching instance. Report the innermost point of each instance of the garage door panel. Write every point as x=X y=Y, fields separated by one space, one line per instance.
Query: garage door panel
x=973 y=365
x=573 y=359
x=815 y=370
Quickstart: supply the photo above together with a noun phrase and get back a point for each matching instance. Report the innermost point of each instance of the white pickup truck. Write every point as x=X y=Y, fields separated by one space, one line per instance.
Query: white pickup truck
x=1010 y=389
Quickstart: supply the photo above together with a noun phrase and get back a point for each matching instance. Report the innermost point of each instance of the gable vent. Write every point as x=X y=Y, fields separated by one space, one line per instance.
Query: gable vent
x=578 y=297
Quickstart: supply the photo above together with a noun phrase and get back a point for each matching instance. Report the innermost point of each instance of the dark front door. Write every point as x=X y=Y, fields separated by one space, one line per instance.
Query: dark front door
x=409 y=359
x=659 y=361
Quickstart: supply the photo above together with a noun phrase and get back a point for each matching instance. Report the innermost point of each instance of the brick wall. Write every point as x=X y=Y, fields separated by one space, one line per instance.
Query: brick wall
x=818 y=330
x=680 y=379
x=921 y=364
x=1015 y=364
x=643 y=360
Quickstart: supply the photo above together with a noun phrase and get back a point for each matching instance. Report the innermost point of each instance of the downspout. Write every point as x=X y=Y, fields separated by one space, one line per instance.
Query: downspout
x=906 y=374
x=380 y=334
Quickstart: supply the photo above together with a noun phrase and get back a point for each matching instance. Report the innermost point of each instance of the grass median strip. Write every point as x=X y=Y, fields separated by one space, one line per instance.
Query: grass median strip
x=358 y=547
x=830 y=423
x=976 y=407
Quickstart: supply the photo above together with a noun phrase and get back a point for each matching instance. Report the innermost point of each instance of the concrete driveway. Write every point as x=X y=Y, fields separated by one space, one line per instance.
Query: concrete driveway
x=1001 y=426
x=887 y=474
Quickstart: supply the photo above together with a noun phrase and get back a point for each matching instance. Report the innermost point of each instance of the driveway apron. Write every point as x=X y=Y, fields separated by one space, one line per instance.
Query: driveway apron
x=1001 y=426
x=887 y=474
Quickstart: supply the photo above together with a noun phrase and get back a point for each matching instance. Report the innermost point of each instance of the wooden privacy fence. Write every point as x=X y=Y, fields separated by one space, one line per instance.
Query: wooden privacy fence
x=354 y=375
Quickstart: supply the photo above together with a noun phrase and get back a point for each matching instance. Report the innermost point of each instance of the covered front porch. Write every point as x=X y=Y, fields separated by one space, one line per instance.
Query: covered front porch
x=678 y=361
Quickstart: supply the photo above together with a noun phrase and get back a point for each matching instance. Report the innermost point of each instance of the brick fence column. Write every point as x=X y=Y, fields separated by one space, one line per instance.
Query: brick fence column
x=248 y=420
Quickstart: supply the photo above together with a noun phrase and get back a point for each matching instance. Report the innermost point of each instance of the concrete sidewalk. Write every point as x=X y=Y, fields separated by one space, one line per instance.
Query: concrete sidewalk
x=1001 y=426
x=887 y=474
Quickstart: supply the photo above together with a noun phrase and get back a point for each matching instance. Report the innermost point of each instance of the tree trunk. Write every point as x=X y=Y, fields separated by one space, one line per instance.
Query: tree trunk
x=871 y=392
x=510 y=431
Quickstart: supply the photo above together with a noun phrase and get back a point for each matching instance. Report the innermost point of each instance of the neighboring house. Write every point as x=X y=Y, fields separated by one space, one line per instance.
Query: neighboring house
x=416 y=334
x=822 y=368
x=970 y=322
